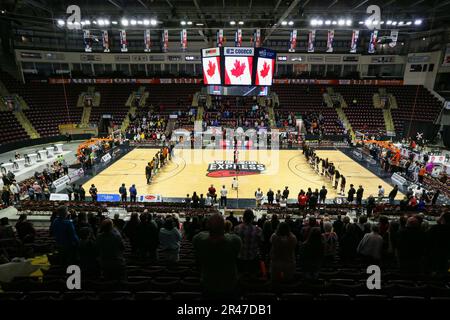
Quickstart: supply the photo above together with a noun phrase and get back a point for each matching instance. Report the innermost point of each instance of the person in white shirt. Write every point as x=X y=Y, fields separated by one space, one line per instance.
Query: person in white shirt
x=371 y=245
x=380 y=192
x=258 y=197
x=208 y=201
x=235 y=184
x=15 y=191
x=283 y=202
x=223 y=196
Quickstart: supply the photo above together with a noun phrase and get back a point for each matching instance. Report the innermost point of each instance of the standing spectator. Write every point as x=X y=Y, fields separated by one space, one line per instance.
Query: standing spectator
x=421 y=173
x=312 y=253
x=223 y=196
x=232 y=219
x=235 y=184
x=258 y=197
x=195 y=200
x=111 y=251
x=93 y=193
x=330 y=242
x=278 y=197
x=216 y=253
x=393 y=194
x=6 y=195
x=371 y=246
x=351 y=194
x=130 y=230
x=88 y=254
x=438 y=242
x=30 y=191
x=123 y=193
x=69 y=190
x=270 y=196
x=286 y=193
x=359 y=195
x=251 y=237
x=82 y=193
x=282 y=254
x=37 y=191
x=411 y=246
x=15 y=191
x=147 y=237
x=323 y=194
x=118 y=222
x=65 y=235
x=169 y=241
x=380 y=193
x=76 y=192
x=133 y=193
x=202 y=201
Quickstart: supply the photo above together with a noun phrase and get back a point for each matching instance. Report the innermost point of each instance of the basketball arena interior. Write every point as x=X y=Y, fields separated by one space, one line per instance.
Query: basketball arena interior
x=258 y=152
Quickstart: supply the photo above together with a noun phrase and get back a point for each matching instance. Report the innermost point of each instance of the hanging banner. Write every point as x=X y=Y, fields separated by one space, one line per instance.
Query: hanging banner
x=147 y=41
x=257 y=41
x=165 y=40
x=330 y=40
x=105 y=38
x=373 y=41
x=293 y=41
x=311 y=40
x=183 y=39
x=220 y=38
x=354 y=45
x=123 y=41
x=87 y=41
x=238 y=38
x=394 y=37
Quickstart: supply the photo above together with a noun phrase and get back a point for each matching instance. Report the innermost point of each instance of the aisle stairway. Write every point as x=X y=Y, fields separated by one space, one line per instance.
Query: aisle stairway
x=26 y=124
x=343 y=117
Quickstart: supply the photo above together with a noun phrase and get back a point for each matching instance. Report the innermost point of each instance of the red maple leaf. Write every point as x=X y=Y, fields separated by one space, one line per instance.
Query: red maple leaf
x=211 y=69
x=238 y=69
x=265 y=70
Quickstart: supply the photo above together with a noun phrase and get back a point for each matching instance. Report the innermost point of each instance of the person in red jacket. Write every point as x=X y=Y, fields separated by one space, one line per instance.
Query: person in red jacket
x=302 y=200
x=212 y=192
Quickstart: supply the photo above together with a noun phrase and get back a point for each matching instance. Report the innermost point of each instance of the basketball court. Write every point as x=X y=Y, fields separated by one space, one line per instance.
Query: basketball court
x=195 y=170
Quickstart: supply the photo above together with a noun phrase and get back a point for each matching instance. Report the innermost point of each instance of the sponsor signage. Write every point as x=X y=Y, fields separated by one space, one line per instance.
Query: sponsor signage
x=59 y=197
x=222 y=168
x=239 y=51
x=106 y=158
x=106 y=197
x=149 y=198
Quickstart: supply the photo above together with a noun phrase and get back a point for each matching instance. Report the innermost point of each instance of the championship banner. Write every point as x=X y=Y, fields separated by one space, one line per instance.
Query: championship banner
x=373 y=41
x=165 y=40
x=311 y=40
x=330 y=40
x=147 y=41
x=394 y=37
x=293 y=40
x=220 y=38
x=105 y=38
x=257 y=41
x=238 y=38
x=183 y=40
x=354 y=45
x=123 y=41
x=87 y=41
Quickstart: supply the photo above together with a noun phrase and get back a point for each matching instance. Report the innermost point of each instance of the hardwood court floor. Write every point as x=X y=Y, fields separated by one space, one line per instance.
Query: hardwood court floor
x=187 y=172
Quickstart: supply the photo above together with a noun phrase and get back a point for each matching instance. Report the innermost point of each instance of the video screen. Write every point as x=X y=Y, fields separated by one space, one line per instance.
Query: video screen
x=211 y=66
x=241 y=91
x=238 y=70
x=264 y=72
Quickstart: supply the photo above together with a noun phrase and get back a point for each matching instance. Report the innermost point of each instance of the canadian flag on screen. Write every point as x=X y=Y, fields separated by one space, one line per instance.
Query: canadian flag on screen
x=264 y=72
x=211 y=70
x=238 y=70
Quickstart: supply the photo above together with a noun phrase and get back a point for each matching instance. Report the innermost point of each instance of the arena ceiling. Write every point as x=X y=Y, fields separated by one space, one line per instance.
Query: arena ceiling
x=272 y=16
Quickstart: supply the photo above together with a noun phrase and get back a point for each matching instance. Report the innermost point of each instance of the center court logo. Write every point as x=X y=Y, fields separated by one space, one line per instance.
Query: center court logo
x=221 y=169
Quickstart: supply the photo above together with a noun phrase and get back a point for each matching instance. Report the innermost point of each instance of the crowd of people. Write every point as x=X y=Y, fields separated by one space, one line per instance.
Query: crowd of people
x=146 y=125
